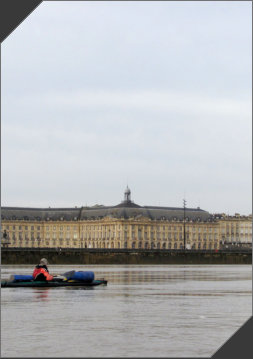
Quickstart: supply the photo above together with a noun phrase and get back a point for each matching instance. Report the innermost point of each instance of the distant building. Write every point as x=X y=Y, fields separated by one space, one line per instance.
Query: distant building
x=235 y=231
x=126 y=225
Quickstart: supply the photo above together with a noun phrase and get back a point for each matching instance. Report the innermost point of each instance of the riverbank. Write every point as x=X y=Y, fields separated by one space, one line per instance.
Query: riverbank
x=123 y=256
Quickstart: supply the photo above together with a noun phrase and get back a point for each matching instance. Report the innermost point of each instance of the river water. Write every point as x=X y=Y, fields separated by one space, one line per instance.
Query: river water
x=144 y=311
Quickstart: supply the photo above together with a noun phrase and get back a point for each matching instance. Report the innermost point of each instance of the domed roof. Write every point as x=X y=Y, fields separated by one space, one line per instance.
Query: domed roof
x=125 y=209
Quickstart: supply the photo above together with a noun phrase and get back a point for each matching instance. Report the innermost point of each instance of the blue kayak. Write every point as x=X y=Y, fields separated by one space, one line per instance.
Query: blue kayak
x=69 y=279
x=50 y=284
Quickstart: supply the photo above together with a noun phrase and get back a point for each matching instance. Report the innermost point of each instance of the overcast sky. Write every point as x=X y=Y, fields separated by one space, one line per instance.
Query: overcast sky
x=96 y=95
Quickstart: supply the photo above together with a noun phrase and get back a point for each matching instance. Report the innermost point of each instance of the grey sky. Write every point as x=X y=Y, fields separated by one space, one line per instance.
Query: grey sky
x=96 y=95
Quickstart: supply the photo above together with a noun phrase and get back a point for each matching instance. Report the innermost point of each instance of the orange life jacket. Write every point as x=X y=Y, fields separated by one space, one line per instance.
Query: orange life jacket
x=40 y=270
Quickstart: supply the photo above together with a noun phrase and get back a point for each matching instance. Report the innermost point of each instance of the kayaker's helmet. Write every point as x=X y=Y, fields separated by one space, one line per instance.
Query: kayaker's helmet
x=44 y=261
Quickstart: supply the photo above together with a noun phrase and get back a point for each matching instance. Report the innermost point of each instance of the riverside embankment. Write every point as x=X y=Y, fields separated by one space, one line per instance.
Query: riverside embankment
x=123 y=256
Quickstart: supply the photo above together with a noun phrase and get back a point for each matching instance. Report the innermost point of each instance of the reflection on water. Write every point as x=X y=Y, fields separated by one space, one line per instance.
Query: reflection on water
x=41 y=294
x=144 y=311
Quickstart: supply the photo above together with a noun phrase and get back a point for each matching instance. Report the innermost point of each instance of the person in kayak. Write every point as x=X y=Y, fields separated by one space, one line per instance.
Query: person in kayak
x=41 y=272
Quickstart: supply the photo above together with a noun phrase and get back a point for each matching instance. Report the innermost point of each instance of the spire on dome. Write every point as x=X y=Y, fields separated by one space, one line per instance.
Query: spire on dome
x=127 y=195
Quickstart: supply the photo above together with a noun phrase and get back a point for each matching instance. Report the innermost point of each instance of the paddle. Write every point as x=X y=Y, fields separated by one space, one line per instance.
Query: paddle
x=64 y=276
x=69 y=274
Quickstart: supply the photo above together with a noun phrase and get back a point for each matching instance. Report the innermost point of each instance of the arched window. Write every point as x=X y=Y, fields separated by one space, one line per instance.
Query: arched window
x=152 y=245
x=175 y=245
x=181 y=245
x=118 y=244
x=169 y=245
x=125 y=245
x=140 y=244
x=199 y=245
x=112 y=245
x=158 y=245
x=133 y=244
x=146 y=245
x=193 y=246
x=164 y=245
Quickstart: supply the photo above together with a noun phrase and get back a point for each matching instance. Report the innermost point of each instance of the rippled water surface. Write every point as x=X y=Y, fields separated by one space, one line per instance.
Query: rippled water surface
x=144 y=311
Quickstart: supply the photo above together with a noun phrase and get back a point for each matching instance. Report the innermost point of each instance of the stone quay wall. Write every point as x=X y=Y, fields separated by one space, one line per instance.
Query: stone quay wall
x=123 y=256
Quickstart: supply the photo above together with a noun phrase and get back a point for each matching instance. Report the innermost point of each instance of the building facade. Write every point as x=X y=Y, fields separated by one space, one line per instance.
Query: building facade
x=235 y=231
x=126 y=225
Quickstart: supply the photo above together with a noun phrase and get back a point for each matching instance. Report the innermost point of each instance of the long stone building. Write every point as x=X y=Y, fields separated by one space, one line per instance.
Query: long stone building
x=126 y=225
